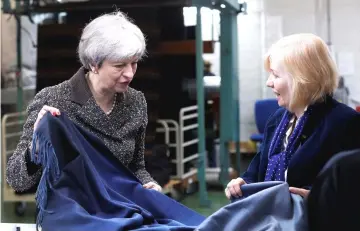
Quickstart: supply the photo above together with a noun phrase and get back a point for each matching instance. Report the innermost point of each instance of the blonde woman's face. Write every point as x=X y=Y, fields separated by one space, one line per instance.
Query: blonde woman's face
x=280 y=82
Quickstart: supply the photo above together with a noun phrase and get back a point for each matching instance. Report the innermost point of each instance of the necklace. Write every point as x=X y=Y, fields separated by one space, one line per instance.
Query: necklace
x=113 y=105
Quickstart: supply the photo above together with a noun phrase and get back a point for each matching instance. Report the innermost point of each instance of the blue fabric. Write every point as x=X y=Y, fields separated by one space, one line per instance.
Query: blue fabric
x=279 y=158
x=332 y=128
x=84 y=187
x=264 y=206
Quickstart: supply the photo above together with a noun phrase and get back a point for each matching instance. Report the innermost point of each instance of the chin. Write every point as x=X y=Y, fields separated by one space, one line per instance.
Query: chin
x=121 y=89
x=281 y=103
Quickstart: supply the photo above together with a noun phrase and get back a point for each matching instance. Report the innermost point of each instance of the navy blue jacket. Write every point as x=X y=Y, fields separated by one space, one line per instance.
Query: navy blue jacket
x=333 y=127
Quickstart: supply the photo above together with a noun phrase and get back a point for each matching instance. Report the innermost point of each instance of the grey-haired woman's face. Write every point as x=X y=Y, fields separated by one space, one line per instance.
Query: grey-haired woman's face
x=116 y=76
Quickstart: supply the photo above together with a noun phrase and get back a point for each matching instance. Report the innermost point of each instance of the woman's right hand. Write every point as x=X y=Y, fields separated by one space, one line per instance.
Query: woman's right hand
x=233 y=188
x=45 y=109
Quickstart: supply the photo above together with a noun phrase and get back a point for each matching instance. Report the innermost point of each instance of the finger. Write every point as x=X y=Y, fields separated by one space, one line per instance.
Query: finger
x=241 y=181
x=151 y=184
x=237 y=189
x=42 y=113
x=230 y=184
x=232 y=192
x=299 y=191
x=39 y=117
x=227 y=193
x=52 y=110
x=146 y=186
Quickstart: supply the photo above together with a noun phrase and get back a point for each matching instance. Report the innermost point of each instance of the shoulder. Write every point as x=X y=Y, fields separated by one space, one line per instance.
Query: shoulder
x=54 y=92
x=336 y=120
x=340 y=113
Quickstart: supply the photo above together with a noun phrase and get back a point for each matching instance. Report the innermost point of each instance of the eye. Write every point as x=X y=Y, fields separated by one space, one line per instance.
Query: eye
x=121 y=65
x=276 y=76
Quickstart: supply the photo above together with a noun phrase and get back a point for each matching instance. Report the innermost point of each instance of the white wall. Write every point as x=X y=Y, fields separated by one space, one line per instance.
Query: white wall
x=268 y=20
x=346 y=40
x=250 y=66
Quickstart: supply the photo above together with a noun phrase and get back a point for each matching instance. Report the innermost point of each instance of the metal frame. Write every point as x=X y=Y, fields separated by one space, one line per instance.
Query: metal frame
x=172 y=126
x=183 y=116
x=180 y=143
x=7 y=193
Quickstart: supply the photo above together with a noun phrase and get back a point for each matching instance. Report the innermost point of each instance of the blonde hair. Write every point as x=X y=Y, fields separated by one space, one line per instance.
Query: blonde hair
x=307 y=59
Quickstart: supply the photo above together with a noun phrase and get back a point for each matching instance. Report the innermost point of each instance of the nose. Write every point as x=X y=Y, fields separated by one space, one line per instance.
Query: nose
x=128 y=71
x=270 y=82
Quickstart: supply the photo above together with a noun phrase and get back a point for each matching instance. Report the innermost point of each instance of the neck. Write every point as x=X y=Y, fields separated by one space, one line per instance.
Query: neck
x=103 y=97
x=299 y=111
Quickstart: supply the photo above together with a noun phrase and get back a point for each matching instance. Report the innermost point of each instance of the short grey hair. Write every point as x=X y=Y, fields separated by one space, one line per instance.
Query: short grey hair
x=113 y=37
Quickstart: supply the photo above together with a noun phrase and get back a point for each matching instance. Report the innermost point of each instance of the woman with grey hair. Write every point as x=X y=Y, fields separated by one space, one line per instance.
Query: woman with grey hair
x=98 y=98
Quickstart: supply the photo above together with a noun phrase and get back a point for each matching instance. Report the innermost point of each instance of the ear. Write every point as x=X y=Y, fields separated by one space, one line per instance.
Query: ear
x=94 y=69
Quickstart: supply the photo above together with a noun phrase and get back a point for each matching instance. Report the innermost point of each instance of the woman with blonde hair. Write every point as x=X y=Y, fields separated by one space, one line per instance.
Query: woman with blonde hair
x=310 y=127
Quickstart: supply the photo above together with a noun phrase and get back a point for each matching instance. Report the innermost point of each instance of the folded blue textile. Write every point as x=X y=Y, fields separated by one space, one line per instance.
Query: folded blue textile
x=84 y=187
x=264 y=206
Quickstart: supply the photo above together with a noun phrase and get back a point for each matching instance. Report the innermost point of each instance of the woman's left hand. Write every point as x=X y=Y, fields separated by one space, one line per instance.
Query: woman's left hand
x=152 y=185
x=299 y=191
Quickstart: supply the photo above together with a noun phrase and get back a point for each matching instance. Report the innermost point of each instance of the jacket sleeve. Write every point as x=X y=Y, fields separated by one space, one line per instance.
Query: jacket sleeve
x=137 y=164
x=251 y=174
x=21 y=173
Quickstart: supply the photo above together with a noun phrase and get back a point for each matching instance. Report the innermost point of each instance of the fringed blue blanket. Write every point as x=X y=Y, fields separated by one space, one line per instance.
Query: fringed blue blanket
x=83 y=187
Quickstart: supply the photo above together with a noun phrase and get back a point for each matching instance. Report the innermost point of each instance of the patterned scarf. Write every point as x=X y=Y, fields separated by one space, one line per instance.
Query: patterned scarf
x=278 y=158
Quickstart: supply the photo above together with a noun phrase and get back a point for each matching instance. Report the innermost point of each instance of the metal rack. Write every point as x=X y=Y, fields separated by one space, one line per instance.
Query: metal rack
x=172 y=128
x=11 y=131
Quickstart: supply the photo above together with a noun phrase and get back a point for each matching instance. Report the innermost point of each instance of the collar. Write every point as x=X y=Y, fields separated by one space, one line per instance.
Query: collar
x=80 y=90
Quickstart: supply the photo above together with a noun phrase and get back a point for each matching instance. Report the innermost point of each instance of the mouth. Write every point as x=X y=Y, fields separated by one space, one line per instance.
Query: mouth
x=125 y=83
x=277 y=94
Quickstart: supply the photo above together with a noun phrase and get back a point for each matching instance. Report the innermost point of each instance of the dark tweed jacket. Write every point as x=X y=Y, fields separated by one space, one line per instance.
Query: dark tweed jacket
x=123 y=131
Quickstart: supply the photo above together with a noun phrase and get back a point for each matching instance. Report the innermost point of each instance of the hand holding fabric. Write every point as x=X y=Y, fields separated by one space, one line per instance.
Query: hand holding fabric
x=43 y=111
x=233 y=188
x=152 y=185
x=299 y=191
